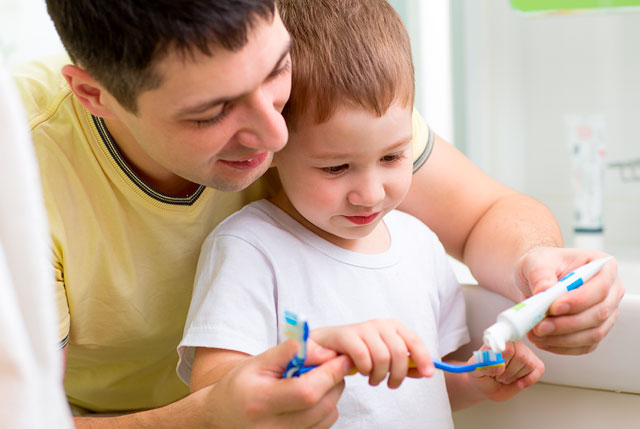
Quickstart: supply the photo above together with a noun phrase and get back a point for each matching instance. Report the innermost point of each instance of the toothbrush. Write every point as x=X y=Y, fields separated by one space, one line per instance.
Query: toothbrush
x=485 y=359
x=298 y=329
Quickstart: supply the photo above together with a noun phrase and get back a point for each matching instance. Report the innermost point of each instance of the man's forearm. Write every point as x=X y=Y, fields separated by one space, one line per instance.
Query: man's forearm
x=511 y=226
x=189 y=412
x=479 y=220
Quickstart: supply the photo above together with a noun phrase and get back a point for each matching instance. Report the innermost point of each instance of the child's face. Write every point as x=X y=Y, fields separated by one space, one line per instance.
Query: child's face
x=344 y=175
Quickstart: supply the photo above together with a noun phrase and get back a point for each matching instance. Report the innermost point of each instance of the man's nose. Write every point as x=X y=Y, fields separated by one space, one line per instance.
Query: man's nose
x=266 y=129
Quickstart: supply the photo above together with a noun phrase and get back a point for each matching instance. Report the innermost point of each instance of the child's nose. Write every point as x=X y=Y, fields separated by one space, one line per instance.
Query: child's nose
x=368 y=192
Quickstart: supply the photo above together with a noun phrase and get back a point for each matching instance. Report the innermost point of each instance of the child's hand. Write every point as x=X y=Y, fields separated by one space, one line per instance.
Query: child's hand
x=378 y=347
x=522 y=369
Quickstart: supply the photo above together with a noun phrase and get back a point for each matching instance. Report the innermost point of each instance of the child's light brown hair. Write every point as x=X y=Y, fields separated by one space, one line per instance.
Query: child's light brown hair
x=346 y=52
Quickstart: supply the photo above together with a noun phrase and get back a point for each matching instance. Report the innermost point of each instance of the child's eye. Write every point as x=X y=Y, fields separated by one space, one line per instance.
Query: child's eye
x=390 y=158
x=337 y=169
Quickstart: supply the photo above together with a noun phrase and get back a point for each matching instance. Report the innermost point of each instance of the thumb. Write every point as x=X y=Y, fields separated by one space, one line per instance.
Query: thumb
x=542 y=279
x=537 y=272
x=276 y=358
x=316 y=354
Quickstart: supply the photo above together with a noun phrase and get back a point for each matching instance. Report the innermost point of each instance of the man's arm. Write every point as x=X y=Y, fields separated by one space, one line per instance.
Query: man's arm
x=250 y=394
x=480 y=221
x=511 y=243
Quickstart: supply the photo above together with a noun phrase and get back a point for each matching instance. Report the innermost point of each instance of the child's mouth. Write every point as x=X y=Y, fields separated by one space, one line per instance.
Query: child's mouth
x=363 y=220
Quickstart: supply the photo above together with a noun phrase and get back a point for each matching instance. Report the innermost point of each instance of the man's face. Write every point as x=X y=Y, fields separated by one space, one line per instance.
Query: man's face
x=215 y=120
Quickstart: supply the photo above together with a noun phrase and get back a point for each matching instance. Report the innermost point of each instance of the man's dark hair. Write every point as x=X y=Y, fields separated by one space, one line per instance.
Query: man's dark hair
x=119 y=41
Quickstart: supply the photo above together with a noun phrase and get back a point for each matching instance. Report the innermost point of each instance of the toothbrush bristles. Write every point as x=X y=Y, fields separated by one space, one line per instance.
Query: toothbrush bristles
x=296 y=328
x=290 y=318
x=488 y=357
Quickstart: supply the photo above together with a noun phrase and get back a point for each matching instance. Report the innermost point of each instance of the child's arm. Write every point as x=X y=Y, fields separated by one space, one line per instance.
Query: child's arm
x=209 y=365
x=379 y=347
x=522 y=369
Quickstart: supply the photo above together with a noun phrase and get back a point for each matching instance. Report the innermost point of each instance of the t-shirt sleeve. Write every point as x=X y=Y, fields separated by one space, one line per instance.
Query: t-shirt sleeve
x=423 y=141
x=233 y=305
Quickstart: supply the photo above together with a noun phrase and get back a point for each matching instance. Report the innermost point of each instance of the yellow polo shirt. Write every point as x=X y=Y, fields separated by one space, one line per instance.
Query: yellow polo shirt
x=124 y=254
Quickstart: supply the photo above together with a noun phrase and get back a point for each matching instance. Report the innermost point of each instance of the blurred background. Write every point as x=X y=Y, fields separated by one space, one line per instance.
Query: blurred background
x=510 y=83
x=513 y=83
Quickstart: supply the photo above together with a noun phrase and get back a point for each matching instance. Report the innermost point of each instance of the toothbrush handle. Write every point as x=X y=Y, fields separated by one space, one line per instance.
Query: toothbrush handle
x=455 y=368
x=295 y=368
x=438 y=364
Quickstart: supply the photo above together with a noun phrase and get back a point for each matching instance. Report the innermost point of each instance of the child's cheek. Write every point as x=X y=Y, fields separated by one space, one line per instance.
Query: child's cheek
x=321 y=198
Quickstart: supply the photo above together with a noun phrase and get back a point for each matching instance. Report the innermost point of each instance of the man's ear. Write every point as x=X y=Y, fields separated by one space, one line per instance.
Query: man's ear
x=89 y=92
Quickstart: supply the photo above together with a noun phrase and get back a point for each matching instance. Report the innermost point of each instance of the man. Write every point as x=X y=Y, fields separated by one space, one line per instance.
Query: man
x=166 y=111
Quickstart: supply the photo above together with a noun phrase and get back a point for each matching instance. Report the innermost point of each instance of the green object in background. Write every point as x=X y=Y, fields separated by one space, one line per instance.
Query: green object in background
x=547 y=5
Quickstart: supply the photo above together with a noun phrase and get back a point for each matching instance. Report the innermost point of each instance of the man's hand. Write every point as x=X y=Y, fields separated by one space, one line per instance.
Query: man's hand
x=581 y=318
x=253 y=393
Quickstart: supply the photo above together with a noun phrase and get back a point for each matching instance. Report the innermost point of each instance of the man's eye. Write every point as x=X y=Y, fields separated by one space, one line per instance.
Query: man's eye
x=282 y=70
x=214 y=120
x=336 y=169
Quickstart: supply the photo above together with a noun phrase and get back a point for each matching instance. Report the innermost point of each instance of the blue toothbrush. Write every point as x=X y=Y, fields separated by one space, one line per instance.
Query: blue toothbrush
x=484 y=359
x=297 y=328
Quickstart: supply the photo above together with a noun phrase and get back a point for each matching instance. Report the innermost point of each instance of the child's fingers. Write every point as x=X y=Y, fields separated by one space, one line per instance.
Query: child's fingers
x=508 y=353
x=531 y=378
x=380 y=357
x=532 y=370
x=414 y=372
x=348 y=340
x=522 y=363
x=418 y=351
x=515 y=370
x=379 y=347
x=522 y=369
x=399 y=364
x=513 y=364
x=360 y=353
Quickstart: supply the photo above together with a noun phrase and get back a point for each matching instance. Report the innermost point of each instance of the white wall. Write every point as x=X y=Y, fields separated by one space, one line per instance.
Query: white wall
x=428 y=24
x=522 y=73
x=26 y=32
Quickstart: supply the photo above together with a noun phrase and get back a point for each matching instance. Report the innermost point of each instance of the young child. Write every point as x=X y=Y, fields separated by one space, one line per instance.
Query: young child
x=331 y=246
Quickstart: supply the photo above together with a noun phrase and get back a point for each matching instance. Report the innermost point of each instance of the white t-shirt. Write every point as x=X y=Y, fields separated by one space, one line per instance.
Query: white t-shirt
x=260 y=262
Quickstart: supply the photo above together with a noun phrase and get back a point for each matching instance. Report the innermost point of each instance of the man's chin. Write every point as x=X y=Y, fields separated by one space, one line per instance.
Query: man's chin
x=236 y=184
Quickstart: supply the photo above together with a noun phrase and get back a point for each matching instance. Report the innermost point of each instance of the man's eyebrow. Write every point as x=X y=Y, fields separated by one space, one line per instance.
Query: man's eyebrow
x=203 y=107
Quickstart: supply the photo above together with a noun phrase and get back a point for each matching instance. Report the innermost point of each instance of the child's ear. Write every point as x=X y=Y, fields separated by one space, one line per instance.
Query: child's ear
x=89 y=92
